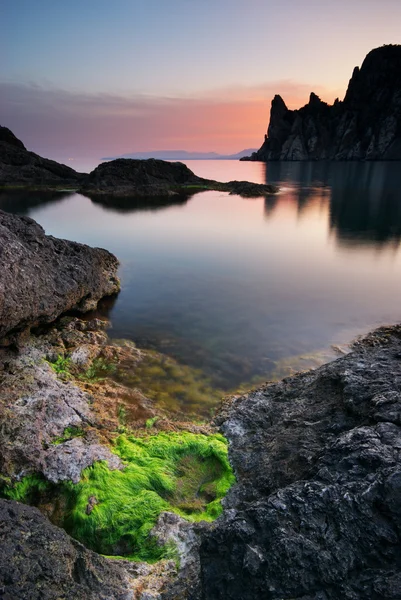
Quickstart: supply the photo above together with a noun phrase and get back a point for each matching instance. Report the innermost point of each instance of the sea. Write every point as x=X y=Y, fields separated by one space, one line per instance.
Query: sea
x=246 y=290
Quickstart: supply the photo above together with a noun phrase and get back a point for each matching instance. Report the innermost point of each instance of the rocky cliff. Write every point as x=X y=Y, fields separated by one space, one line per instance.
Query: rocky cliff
x=366 y=125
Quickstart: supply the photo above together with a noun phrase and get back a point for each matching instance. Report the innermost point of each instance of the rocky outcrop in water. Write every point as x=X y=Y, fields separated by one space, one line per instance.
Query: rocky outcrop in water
x=121 y=178
x=42 y=276
x=20 y=167
x=366 y=125
x=316 y=512
x=125 y=177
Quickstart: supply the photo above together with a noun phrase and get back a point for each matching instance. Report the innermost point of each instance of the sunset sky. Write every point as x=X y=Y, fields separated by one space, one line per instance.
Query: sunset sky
x=93 y=78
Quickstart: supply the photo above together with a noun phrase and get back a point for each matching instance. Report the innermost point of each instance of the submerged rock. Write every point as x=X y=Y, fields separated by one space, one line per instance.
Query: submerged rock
x=366 y=125
x=20 y=167
x=42 y=276
x=316 y=512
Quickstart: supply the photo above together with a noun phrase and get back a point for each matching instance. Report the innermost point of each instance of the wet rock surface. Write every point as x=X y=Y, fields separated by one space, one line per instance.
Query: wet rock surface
x=42 y=276
x=316 y=510
x=366 y=125
x=19 y=166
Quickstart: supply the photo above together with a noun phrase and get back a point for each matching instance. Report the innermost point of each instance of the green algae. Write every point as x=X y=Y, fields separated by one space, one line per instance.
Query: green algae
x=61 y=366
x=113 y=511
x=98 y=370
x=68 y=434
x=26 y=490
x=172 y=386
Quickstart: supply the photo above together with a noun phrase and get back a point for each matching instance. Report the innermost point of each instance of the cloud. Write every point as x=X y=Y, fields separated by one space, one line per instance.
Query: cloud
x=57 y=123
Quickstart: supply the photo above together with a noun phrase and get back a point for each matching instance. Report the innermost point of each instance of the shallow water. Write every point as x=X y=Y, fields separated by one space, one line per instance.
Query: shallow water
x=237 y=286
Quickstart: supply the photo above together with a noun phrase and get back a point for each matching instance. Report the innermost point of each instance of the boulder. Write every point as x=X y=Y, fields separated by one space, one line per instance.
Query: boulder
x=39 y=561
x=316 y=511
x=43 y=277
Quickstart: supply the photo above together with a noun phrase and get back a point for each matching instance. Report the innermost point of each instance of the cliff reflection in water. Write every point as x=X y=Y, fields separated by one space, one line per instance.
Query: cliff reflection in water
x=364 y=198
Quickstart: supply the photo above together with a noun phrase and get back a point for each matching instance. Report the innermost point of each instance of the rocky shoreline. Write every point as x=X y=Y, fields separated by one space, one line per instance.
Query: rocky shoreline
x=314 y=512
x=120 y=178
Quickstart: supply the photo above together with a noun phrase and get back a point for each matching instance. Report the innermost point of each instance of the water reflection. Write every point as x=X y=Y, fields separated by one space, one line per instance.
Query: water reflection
x=364 y=198
x=21 y=202
x=128 y=204
x=234 y=287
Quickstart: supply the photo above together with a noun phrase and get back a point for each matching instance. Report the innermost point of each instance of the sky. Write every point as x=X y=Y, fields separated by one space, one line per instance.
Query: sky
x=94 y=78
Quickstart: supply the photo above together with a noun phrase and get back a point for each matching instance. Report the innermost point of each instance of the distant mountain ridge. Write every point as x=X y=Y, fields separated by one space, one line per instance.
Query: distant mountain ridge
x=366 y=125
x=183 y=155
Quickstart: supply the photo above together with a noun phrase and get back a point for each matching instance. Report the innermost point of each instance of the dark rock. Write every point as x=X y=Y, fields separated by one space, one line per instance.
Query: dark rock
x=18 y=167
x=121 y=178
x=7 y=136
x=39 y=561
x=42 y=276
x=150 y=178
x=365 y=125
x=316 y=511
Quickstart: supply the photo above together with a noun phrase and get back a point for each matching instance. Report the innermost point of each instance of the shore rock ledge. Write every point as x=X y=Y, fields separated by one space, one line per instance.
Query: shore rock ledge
x=43 y=277
x=316 y=512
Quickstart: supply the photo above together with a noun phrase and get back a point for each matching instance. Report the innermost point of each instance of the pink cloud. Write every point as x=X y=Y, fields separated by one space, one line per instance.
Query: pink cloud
x=57 y=124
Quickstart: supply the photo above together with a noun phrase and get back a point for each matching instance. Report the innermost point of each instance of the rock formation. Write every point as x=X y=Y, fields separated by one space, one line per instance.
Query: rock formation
x=19 y=166
x=39 y=560
x=127 y=177
x=42 y=277
x=366 y=125
x=124 y=178
x=316 y=512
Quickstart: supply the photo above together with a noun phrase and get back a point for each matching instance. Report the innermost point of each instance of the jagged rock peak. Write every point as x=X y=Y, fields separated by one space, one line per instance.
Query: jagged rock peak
x=366 y=125
x=314 y=100
x=6 y=135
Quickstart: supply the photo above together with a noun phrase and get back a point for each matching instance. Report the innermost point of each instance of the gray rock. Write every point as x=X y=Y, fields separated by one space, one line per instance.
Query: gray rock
x=42 y=276
x=316 y=511
x=36 y=407
x=365 y=125
x=39 y=561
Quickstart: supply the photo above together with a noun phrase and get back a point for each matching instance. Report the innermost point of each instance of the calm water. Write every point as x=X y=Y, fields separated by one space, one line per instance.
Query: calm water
x=236 y=286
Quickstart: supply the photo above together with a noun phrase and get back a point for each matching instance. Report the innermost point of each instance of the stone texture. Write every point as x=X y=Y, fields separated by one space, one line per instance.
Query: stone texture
x=20 y=167
x=42 y=276
x=39 y=561
x=316 y=512
x=36 y=407
x=366 y=125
